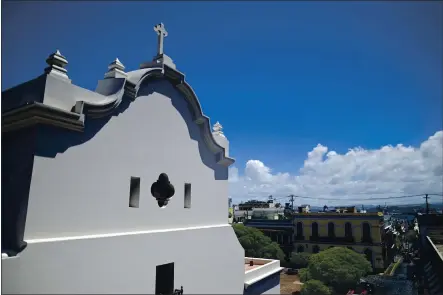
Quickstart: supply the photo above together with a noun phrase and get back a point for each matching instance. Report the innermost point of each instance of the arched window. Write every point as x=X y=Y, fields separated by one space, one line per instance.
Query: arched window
x=331 y=230
x=348 y=230
x=315 y=249
x=366 y=230
x=314 y=230
x=299 y=230
x=300 y=249
x=368 y=255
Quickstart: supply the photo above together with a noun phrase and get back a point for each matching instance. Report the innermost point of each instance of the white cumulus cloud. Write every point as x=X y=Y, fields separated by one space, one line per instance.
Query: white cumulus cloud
x=358 y=176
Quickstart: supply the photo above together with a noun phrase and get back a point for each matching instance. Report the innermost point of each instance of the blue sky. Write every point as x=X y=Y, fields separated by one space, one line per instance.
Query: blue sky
x=281 y=77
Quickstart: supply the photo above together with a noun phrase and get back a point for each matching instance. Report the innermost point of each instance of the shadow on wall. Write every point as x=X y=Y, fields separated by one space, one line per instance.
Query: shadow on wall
x=52 y=141
x=17 y=163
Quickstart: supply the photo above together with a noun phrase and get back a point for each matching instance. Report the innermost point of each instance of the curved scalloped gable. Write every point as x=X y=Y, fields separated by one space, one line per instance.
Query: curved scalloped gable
x=137 y=124
x=177 y=79
x=64 y=104
x=160 y=131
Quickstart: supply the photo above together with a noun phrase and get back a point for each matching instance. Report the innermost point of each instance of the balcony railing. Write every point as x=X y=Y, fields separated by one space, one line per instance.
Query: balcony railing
x=332 y=239
x=366 y=240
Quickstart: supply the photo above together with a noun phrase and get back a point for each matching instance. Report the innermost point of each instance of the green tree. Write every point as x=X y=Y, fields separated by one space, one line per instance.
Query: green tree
x=303 y=274
x=315 y=287
x=338 y=267
x=300 y=259
x=256 y=244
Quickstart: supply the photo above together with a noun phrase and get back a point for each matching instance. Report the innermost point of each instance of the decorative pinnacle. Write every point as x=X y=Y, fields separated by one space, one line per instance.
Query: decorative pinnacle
x=116 y=64
x=218 y=128
x=116 y=70
x=56 y=64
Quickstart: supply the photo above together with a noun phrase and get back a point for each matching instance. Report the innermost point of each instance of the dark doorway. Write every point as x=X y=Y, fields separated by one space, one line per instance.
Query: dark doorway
x=366 y=233
x=299 y=229
x=348 y=230
x=314 y=230
x=331 y=230
x=164 y=280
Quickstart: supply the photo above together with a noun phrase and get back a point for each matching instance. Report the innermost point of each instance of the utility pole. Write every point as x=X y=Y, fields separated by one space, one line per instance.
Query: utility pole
x=427 y=203
x=292 y=201
x=292 y=222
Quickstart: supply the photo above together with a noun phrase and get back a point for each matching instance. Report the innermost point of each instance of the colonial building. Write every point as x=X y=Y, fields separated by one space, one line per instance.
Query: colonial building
x=118 y=190
x=304 y=209
x=315 y=232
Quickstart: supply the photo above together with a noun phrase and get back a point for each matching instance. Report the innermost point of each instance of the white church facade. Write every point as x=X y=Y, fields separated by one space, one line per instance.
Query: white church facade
x=118 y=190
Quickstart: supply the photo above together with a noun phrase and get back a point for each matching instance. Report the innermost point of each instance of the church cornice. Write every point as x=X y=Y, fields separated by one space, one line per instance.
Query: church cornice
x=39 y=113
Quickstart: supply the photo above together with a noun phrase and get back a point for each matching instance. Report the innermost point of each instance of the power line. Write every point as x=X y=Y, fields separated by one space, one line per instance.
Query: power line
x=368 y=199
x=364 y=199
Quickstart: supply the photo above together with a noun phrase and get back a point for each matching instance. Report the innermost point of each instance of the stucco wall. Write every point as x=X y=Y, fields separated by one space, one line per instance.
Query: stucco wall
x=81 y=181
x=207 y=261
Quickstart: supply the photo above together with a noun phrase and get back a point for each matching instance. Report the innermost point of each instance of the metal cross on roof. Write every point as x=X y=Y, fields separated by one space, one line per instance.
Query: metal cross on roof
x=162 y=33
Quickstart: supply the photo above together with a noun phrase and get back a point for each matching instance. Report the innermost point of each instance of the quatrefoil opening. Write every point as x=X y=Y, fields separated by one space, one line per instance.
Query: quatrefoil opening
x=162 y=190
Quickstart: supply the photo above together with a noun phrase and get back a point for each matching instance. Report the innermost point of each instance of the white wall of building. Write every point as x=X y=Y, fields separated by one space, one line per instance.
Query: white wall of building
x=83 y=190
x=207 y=261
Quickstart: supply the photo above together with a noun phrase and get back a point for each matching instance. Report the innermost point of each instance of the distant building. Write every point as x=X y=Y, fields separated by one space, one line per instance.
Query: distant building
x=249 y=205
x=351 y=209
x=304 y=209
x=267 y=213
x=362 y=233
x=231 y=215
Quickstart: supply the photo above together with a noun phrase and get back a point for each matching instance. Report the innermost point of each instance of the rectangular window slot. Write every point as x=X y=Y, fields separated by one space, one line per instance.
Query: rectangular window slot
x=187 y=195
x=164 y=279
x=134 y=192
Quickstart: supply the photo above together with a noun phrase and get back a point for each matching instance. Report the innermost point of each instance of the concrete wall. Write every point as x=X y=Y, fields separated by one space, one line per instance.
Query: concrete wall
x=81 y=181
x=207 y=261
